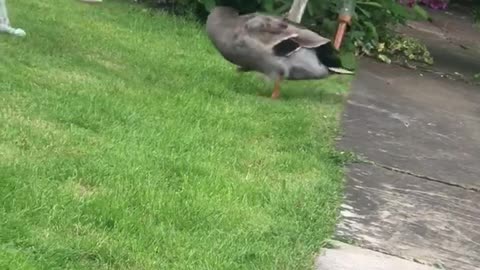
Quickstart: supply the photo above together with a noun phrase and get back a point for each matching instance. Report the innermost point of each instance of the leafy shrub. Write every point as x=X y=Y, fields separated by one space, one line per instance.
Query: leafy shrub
x=372 y=37
x=402 y=50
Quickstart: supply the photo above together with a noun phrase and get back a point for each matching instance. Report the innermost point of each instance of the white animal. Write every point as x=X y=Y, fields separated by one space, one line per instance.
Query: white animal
x=5 y=22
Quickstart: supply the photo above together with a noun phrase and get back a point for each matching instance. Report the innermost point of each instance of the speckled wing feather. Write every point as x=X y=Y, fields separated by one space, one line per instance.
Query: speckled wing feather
x=279 y=35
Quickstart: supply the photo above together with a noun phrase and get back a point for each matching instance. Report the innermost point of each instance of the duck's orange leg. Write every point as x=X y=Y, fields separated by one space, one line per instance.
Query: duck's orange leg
x=276 y=88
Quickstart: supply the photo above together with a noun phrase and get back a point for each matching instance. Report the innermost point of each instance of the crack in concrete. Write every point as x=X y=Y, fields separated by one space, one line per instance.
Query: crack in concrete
x=421 y=176
x=335 y=242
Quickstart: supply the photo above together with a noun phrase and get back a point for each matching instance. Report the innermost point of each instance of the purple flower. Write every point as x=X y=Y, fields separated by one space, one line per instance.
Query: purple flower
x=436 y=4
x=433 y=4
x=409 y=3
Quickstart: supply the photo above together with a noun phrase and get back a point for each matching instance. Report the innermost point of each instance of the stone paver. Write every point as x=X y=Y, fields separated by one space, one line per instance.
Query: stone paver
x=428 y=129
x=453 y=41
x=348 y=257
x=418 y=196
x=424 y=124
x=410 y=218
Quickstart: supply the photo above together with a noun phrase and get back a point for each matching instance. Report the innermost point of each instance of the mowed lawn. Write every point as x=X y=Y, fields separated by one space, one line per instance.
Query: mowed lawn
x=126 y=142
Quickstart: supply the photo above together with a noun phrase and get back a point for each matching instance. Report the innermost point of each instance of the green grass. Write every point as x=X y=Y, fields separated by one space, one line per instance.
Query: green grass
x=126 y=142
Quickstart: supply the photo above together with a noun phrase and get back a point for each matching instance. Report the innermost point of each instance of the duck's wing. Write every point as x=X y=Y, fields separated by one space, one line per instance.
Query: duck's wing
x=278 y=35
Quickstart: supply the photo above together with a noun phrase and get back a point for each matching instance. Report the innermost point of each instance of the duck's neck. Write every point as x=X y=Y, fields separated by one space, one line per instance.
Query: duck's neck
x=221 y=20
x=221 y=24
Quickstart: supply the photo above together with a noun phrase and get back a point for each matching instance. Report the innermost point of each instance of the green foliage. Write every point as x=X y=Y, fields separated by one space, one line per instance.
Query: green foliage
x=371 y=32
x=402 y=49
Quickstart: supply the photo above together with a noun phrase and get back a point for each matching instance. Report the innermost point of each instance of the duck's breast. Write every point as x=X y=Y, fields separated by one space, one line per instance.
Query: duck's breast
x=305 y=65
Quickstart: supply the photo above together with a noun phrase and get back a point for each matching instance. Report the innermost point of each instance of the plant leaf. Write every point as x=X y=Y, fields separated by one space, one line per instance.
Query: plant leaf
x=365 y=12
x=373 y=29
x=421 y=12
x=372 y=4
x=209 y=4
x=268 y=5
x=384 y=58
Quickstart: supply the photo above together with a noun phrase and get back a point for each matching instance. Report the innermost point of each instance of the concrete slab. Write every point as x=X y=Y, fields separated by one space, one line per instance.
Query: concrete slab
x=422 y=124
x=458 y=25
x=453 y=41
x=410 y=218
x=348 y=257
x=419 y=196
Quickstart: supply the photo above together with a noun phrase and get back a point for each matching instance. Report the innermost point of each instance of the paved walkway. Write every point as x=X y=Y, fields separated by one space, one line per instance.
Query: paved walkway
x=419 y=197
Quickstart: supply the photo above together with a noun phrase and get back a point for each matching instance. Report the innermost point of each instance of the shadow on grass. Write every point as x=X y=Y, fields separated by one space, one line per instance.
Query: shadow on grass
x=290 y=91
x=315 y=94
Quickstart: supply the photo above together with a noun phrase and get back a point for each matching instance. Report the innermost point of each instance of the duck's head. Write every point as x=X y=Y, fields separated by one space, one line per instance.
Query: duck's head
x=220 y=17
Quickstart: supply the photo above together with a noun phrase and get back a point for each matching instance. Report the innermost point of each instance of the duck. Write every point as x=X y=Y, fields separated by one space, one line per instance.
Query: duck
x=273 y=46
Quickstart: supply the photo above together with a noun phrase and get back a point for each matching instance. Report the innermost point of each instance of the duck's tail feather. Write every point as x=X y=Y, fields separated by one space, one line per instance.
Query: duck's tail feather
x=341 y=71
x=328 y=56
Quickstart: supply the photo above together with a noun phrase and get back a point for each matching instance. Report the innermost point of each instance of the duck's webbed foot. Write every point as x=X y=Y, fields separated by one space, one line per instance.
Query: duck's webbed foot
x=276 y=88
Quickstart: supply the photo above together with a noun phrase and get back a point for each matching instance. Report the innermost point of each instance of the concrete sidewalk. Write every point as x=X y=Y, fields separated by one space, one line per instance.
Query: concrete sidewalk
x=418 y=198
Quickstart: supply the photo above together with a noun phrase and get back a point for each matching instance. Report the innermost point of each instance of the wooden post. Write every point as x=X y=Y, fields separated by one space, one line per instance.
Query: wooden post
x=342 y=27
x=296 y=11
x=347 y=9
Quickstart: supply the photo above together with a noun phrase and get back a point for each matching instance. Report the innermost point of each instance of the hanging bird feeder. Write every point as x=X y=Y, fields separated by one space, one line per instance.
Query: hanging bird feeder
x=346 y=11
